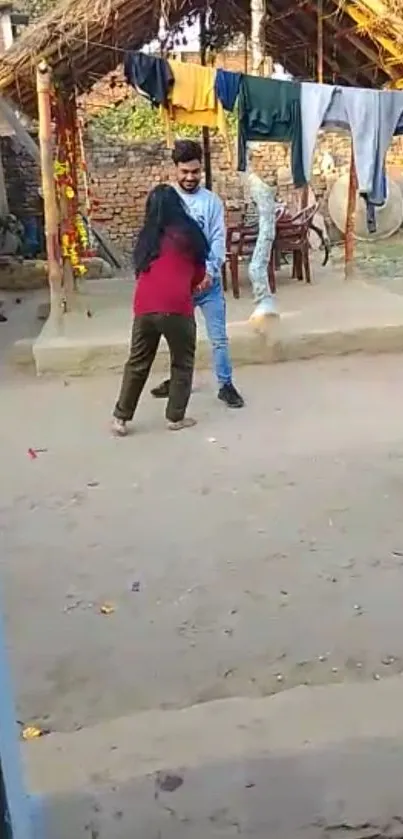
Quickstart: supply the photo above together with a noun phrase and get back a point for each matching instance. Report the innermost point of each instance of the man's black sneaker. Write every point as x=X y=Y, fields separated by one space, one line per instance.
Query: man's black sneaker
x=162 y=390
x=229 y=394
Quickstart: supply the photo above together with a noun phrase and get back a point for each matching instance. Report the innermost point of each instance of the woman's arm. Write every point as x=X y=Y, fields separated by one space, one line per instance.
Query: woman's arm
x=198 y=276
x=200 y=279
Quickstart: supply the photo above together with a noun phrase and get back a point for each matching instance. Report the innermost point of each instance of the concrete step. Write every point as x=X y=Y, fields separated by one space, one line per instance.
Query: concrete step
x=329 y=319
x=313 y=761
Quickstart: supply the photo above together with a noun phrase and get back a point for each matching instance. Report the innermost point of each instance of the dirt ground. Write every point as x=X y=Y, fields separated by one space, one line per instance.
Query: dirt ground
x=260 y=550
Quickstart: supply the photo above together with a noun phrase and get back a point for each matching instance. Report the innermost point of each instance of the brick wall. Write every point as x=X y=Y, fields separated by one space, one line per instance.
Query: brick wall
x=22 y=178
x=122 y=174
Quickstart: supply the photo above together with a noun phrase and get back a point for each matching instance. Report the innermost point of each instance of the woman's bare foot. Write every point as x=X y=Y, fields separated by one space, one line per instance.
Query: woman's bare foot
x=119 y=427
x=186 y=422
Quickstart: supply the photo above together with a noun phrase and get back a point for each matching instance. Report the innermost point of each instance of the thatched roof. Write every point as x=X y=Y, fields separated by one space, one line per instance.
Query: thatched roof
x=84 y=39
x=76 y=37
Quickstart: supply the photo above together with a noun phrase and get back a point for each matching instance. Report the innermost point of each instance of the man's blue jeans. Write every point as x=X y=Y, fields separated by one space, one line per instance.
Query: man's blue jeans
x=213 y=308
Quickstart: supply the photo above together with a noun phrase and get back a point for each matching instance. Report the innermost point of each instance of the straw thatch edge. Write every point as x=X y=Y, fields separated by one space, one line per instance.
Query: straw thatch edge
x=75 y=37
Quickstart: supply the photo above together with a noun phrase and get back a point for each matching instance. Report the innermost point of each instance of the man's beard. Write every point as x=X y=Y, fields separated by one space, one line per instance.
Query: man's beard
x=190 y=187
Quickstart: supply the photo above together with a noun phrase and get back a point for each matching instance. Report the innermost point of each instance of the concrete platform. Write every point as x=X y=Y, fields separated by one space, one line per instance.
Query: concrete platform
x=310 y=762
x=328 y=318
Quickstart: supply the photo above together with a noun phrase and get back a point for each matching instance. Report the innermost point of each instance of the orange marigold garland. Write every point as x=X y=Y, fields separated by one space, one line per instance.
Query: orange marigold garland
x=87 y=193
x=74 y=237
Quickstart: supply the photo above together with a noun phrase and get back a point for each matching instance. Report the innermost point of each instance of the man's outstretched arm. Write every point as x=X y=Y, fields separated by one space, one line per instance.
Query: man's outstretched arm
x=216 y=239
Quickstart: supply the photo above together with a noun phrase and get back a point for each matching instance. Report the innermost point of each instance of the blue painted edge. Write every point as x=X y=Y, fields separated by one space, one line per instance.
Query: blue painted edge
x=11 y=765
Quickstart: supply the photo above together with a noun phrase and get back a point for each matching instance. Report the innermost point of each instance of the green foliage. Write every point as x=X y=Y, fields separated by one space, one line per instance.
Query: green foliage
x=139 y=121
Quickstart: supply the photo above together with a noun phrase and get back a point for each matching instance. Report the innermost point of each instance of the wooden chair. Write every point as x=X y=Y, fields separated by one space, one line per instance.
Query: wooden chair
x=232 y=248
x=249 y=238
x=234 y=224
x=241 y=241
x=292 y=236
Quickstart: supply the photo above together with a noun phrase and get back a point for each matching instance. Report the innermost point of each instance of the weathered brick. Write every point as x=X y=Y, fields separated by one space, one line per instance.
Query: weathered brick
x=122 y=174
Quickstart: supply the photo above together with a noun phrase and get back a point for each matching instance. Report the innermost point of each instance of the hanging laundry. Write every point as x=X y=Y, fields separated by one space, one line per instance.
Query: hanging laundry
x=150 y=76
x=227 y=88
x=377 y=115
x=193 y=99
x=315 y=101
x=399 y=127
x=373 y=117
x=270 y=109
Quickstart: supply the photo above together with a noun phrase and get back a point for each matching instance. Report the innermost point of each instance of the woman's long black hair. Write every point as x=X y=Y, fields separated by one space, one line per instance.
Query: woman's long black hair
x=166 y=212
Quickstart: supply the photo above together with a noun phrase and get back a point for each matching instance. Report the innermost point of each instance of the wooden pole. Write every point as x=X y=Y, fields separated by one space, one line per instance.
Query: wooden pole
x=320 y=41
x=305 y=189
x=208 y=175
x=258 y=12
x=43 y=86
x=4 y=209
x=349 y=240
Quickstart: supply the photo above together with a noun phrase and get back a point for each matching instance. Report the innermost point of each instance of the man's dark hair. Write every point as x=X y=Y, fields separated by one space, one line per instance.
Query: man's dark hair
x=186 y=150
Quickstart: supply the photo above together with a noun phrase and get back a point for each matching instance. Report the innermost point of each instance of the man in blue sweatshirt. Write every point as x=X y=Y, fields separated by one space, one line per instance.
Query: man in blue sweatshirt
x=208 y=210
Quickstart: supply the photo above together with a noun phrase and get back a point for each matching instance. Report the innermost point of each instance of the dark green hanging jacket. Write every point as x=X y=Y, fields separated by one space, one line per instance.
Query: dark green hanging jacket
x=270 y=109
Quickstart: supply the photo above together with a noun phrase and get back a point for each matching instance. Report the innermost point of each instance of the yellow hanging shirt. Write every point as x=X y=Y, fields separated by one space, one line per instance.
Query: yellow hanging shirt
x=193 y=101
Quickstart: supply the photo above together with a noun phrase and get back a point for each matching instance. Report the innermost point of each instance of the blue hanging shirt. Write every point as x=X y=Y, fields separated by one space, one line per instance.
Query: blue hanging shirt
x=227 y=88
x=151 y=76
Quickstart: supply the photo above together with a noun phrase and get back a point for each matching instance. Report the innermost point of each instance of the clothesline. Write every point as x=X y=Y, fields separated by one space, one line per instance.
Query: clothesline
x=277 y=110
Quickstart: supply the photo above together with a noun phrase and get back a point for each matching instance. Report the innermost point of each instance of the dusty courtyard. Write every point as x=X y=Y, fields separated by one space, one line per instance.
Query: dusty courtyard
x=261 y=550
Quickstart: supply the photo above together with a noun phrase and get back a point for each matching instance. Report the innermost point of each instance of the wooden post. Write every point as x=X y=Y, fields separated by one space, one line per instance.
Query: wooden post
x=208 y=175
x=305 y=189
x=43 y=85
x=4 y=210
x=245 y=53
x=258 y=12
x=349 y=240
x=320 y=40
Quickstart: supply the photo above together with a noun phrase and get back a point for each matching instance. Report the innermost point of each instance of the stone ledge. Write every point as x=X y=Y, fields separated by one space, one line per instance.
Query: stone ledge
x=310 y=761
x=60 y=356
x=332 y=318
x=21 y=353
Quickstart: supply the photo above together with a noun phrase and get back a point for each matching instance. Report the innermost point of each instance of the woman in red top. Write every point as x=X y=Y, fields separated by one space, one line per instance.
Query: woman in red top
x=169 y=258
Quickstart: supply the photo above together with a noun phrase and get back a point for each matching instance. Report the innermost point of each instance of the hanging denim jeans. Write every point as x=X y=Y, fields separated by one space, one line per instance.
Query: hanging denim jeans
x=263 y=197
